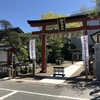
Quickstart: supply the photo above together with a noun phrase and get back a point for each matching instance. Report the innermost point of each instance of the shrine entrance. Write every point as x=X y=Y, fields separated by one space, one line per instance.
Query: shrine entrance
x=62 y=29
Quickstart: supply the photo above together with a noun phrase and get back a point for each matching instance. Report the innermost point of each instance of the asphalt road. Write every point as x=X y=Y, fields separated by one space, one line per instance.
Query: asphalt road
x=35 y=91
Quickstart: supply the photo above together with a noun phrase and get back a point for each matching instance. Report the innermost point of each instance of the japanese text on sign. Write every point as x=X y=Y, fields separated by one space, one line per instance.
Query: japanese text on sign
x=32 y=49
x=85 y=52
x=61 y=25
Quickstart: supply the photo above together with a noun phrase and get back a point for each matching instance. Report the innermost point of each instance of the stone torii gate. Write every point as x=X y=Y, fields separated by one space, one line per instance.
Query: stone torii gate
x=61 y=24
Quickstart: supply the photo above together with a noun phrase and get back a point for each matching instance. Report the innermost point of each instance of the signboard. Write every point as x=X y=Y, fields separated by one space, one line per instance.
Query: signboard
x=61 y=24
x=3 y=56
x=85 y=51
x=32 y=49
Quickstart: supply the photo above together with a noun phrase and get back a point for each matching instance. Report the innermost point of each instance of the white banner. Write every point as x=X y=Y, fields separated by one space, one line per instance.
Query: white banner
x=32 y=49
x=85 y=51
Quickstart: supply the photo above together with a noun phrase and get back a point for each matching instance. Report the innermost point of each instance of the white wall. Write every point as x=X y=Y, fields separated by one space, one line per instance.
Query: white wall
x=3 y=56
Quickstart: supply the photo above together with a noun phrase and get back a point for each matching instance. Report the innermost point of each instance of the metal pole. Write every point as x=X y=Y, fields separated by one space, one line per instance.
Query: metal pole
x=72 y=57
x=86 y=71
x=12 y=66
x=34 y=67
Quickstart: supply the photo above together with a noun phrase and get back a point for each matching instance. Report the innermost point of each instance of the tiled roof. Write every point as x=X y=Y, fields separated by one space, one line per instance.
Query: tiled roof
x=5 y=47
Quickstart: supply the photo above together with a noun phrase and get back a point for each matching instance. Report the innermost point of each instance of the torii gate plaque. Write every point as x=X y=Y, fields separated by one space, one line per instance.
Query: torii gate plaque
x=71 y=19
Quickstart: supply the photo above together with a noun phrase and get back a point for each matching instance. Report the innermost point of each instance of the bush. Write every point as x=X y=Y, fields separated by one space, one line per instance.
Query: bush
x=61 y=58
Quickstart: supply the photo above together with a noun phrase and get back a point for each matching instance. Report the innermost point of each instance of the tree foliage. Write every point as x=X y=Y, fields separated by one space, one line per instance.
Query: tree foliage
x=19 y=41
x=12 y=39
x=93 y=13
x=51 y=15
x=22 y=54
x=5 y=24
x=38 y=48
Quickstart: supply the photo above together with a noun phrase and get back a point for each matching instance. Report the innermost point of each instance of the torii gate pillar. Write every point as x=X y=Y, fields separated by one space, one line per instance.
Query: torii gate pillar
x=43 y=67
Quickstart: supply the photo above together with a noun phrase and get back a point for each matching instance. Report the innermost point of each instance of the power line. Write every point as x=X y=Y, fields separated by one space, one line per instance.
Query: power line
x=13 y=18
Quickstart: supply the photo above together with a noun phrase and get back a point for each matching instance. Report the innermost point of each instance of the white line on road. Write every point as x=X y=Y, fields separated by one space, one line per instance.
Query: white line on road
x=41 y=94
x=8 y=95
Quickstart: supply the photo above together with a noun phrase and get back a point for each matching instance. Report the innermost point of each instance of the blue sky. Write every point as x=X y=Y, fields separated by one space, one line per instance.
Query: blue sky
x=17 y=12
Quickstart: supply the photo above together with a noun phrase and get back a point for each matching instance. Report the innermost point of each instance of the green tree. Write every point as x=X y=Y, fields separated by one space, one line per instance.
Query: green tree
x=22 y=54
x=10 y=39
x=93 y=13
x=23 y=51
x=19 y=41
x=51 y=15
x=5 y=24
x=25 y=38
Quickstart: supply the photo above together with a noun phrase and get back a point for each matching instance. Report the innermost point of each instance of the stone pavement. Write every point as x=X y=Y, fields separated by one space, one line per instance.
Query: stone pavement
x=73 y=75
x=68 y=71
